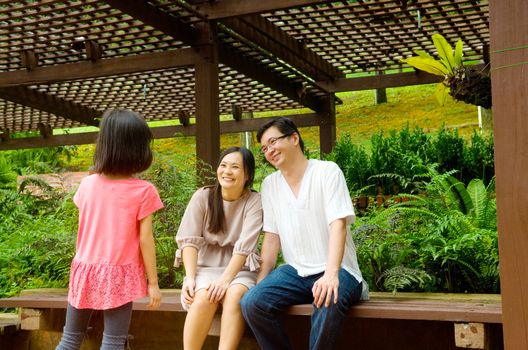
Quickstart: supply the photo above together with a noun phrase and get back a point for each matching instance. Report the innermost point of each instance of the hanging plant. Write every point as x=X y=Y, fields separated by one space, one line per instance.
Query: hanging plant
x=463 y=83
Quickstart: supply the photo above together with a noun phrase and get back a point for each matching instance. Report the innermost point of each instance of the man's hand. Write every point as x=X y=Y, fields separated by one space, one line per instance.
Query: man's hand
x=324 y=288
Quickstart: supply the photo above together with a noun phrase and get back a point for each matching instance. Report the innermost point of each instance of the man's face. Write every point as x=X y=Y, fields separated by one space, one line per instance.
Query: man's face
x=276 y=146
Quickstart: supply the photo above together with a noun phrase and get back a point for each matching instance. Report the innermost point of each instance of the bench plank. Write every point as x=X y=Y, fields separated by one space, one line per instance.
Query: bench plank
x=408 y=306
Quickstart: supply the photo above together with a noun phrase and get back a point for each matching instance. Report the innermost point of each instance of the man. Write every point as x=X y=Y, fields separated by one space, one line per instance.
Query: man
x=307 y=213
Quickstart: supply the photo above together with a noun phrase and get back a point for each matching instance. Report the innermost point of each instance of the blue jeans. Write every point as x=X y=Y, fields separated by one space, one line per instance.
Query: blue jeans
x=283 y=287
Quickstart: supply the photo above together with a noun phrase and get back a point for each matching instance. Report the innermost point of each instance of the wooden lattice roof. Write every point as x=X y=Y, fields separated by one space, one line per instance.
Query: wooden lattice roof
x=63 y=62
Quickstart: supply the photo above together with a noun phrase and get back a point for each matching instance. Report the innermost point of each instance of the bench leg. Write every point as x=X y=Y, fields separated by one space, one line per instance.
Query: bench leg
x=493 y=339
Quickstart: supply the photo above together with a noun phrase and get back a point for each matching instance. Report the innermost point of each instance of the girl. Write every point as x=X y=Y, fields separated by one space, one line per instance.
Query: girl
x=217 y=241
x=115 y=245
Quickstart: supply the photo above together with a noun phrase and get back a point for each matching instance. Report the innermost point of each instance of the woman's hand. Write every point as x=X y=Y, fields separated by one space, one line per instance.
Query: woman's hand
x=216 y=290
x=188 y=287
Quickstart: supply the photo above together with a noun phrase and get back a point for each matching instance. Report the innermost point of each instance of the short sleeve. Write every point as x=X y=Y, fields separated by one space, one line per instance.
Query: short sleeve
x=269 y=222
x=337 y=201
x=77 y=196
x=150 y=202
x=251 y=229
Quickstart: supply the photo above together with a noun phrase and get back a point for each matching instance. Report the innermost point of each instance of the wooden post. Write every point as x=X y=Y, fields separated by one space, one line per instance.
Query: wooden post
x=207 y=109
x=327 y=125
x=509 y=77
x=381 y=93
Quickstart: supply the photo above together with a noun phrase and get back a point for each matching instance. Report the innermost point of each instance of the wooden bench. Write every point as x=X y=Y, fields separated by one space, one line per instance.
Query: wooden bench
x=404 y=320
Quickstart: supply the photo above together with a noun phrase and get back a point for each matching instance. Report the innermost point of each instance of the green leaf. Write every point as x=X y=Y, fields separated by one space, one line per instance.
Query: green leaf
x=423 y=54
x=462 y=196
x=428 y=65
x=445 y=52
x=458 y=53
x=441 y=93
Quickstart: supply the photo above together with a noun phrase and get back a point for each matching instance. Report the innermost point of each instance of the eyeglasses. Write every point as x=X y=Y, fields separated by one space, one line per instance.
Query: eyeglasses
x=271 y=143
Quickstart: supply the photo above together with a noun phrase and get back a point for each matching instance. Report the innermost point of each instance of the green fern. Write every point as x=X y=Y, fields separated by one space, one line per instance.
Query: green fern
x=401 y=277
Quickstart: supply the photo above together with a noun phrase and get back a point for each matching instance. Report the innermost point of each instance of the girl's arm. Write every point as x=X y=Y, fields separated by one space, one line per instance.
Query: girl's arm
x=148 y=251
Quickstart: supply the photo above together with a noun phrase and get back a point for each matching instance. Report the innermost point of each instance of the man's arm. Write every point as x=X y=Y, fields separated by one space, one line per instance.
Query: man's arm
x=269 y=251
x=328 y=284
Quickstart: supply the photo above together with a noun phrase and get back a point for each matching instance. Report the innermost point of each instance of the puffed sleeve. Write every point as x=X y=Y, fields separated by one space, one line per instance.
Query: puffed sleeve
x=251 y=229
x=190 y=232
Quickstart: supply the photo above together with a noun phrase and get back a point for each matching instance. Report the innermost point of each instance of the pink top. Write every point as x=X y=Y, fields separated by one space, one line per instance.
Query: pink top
x=107 y=270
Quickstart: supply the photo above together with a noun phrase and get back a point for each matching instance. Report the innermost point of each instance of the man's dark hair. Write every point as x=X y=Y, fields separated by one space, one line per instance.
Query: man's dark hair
x=217 y=222
x=123 y=144
x=285 y=125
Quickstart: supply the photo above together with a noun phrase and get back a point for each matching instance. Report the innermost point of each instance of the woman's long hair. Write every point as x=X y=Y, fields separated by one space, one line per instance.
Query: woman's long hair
x=215 y=201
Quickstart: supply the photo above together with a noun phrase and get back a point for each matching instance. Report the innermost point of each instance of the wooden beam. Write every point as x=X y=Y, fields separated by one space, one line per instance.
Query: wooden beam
x=509 y=78
x=51 y=104
x=197 y=38
x=162 y=132
x=381 y=81
x=154 y=17
x=271 y=38
x=263 y=75
x=99 y=68
x=234 y=8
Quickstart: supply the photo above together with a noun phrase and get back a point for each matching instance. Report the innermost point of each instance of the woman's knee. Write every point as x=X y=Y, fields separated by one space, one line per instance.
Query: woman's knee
x=201 y=302
x=234 y=294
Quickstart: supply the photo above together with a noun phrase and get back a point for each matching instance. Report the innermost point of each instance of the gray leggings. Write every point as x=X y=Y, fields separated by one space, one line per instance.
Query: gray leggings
x=115 y=334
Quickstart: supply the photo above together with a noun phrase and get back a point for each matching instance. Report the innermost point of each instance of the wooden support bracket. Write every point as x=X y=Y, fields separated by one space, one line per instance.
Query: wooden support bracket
x=45 y=130
x=183 y=117
x=469 y=335
x=4 y=135
x=94 y=51
x=236 y=111
x=29 y=59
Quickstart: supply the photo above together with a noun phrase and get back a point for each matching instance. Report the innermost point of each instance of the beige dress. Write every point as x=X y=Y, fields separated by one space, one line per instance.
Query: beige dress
x=243 y=227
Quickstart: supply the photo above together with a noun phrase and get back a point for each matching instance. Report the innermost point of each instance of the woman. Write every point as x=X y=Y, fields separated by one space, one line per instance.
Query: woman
x=217 y=242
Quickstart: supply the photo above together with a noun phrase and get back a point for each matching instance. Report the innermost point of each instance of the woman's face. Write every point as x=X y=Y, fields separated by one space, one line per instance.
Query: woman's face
x=230 y=172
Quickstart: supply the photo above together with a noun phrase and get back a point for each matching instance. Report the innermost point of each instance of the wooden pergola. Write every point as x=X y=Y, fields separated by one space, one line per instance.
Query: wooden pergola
x=64 y=62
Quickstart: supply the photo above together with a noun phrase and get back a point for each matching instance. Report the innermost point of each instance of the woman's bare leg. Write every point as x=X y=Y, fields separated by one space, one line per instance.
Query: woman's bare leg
x=198 y=320
x=232 y=324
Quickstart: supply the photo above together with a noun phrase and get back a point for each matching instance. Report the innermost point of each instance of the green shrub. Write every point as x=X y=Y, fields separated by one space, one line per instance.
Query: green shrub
x=398 y=160
x=37 y=246
x=38 y=160
x=355 y=163
x=175 y=187
x=444 y=240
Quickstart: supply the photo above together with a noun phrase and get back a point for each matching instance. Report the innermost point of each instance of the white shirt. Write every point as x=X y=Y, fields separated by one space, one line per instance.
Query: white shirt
x=303 y=222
